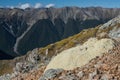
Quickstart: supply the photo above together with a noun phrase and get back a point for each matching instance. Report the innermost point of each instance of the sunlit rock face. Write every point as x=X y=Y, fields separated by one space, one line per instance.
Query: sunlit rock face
x=80 y=55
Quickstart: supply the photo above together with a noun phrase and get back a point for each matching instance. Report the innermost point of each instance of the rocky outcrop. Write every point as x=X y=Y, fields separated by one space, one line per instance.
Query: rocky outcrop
x=80 y=55
x=114 y=22
x=51 y=73
x=115 y=33
x=114 y=28
x=24 y=30
x=105 y=67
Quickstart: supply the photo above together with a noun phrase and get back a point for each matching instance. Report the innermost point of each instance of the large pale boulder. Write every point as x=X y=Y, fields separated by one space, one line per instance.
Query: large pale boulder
x=80 y=55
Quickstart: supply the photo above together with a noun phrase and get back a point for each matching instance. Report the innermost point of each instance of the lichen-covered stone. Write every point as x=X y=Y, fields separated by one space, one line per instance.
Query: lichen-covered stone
x=80 y=55
x=51 y=73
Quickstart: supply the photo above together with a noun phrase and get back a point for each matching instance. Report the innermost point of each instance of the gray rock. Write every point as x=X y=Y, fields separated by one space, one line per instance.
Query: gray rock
x=104 y=77
x=110 y=23
x=5 y=77
x=51 y=73
x=18 y=68
x=80 y=74
x=27 y=67
x=14 y=74
x=34 y=57
x=23 y=67
x=115 y=33
x=91 y=75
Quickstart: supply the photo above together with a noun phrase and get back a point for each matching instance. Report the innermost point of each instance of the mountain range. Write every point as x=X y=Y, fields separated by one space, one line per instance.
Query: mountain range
x=23 y=30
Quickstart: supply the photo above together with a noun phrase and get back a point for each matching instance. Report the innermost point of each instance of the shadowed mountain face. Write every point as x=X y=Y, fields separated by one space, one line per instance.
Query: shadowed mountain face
x=3 y=55
x=24 y=30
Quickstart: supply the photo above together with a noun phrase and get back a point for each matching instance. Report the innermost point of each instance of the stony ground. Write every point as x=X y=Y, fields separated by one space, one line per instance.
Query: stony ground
x=32 y=75
x=106 y=67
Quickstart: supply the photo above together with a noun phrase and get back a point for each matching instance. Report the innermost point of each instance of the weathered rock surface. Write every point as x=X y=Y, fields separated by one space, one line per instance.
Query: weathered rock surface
x=80 y=55
x=105 y=67
x=51 y=73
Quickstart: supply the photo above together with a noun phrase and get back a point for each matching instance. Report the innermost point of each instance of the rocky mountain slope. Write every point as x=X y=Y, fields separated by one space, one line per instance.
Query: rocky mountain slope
x=80 y=55
x=105 y=65
x=24 y=30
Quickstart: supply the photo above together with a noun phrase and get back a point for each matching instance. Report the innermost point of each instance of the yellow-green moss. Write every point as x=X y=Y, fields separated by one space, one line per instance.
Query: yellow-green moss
x=69 y=42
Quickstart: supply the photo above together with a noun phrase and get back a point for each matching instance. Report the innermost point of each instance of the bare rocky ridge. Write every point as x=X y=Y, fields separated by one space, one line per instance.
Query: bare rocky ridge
x=80 y=55
x=20 y=27
x=106 y=67
x=102 y=67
